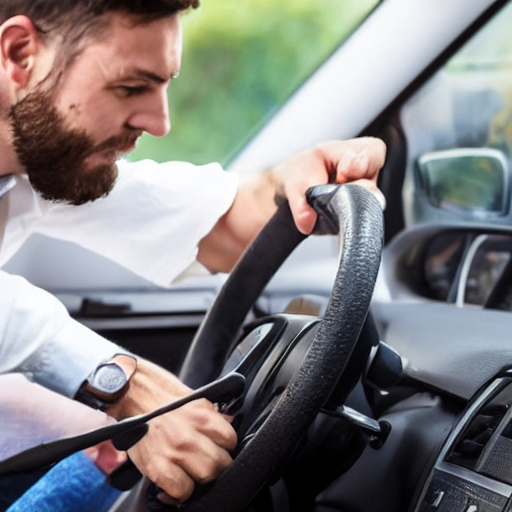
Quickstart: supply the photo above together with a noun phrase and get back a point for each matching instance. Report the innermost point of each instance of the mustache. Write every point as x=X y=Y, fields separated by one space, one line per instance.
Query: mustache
x=116 y=142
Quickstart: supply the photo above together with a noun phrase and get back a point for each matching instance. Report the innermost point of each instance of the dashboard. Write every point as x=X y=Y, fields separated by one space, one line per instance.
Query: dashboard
x=473 y=472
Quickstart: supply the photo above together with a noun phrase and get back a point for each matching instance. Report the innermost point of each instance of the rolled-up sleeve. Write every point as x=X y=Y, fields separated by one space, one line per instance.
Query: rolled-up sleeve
x=39 y=339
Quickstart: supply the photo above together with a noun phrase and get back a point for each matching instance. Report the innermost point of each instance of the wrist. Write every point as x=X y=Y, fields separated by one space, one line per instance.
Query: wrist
x=151 y=387
x=108 y=383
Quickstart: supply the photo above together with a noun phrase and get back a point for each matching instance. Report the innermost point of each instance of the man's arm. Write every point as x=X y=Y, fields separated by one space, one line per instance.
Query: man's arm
x=28 y=415
x=256 y=201
x=40 y=340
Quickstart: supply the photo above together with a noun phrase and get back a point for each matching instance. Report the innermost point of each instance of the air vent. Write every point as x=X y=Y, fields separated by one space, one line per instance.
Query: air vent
x=469 y=448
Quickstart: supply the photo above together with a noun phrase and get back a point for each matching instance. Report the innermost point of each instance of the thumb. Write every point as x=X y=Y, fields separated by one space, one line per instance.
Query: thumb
x=303 y=215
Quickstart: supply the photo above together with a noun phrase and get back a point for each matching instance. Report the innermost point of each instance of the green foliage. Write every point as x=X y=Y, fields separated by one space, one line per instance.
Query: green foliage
x=242 y=60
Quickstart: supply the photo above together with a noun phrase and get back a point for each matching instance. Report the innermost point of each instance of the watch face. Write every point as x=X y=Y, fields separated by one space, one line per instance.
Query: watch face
x=109 y=378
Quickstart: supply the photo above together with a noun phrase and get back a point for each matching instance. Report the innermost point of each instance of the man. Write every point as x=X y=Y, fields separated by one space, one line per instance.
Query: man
x=79 y=83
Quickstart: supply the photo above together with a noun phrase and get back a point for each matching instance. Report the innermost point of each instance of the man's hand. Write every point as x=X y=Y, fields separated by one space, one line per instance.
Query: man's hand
x=355 y=160
x=106 y=457
x=188 y=445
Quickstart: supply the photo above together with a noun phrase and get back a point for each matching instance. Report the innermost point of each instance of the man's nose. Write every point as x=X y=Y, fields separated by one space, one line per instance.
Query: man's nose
x=152 y=115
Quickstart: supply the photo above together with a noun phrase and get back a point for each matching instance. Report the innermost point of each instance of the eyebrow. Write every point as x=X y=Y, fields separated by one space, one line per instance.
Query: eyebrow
x=153 y=77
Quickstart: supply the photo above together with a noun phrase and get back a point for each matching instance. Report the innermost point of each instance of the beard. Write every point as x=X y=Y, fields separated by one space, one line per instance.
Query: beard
x=54 y=157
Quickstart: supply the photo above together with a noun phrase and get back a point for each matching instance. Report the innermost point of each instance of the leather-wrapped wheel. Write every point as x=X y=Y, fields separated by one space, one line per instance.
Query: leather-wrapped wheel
x=356 y=214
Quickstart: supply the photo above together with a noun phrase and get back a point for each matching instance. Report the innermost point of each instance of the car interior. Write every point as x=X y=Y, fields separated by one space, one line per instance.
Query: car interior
x=378 y=361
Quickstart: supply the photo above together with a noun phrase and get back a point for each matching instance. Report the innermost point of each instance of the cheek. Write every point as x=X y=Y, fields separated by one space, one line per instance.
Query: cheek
x=72 y=109
x=77 y=116
x=100 y=119
x=75 y=109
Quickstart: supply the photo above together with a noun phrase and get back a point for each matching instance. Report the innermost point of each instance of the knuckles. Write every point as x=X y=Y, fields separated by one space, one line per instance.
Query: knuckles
x=179 y=486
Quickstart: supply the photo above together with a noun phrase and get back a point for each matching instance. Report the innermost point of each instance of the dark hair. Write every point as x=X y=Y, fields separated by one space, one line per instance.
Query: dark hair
x=74 y=20
x=49 y=14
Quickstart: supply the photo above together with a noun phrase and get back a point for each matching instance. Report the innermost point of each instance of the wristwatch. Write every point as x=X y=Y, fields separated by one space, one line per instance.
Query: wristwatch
x=108 y=382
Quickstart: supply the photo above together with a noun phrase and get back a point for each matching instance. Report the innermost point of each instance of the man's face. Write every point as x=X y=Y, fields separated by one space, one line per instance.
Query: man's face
x=69 y=138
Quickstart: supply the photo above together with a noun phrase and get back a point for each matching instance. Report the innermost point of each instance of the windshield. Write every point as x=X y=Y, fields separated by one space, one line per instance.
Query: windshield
x=241 y=62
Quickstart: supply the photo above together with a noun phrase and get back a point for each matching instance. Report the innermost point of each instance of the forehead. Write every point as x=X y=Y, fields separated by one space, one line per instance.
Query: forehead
x=154 y=46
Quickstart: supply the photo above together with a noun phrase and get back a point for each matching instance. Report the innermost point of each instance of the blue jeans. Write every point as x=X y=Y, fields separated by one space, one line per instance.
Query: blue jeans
x=75 y=484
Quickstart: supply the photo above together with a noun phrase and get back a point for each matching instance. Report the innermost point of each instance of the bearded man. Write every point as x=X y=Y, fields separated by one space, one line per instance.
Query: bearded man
x=80 y=81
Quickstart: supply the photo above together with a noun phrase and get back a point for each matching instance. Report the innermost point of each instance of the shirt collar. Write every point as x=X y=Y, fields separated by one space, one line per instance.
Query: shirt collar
x=6 y=184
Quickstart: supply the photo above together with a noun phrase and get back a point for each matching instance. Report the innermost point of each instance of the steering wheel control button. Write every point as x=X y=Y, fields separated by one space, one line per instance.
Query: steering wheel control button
x=376 y=431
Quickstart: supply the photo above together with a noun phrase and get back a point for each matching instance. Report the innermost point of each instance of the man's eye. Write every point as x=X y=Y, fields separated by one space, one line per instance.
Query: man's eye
x=132 y=90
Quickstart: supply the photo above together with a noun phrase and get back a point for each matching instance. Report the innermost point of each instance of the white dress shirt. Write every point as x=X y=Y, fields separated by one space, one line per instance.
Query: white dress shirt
x=151 y=223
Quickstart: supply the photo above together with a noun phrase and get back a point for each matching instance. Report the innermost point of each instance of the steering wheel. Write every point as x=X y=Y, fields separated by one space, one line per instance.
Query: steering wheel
x=298 y=361
x=356 y=214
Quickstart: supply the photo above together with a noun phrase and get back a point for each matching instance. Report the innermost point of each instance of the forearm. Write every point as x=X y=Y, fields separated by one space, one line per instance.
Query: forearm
x=355 y=160
x=254 y=205
x=29 y=411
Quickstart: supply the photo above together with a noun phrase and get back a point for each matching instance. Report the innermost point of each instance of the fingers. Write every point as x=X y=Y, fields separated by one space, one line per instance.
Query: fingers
x=106 y=457
x=194 y=444
x=330 y=162
x=193 y=459
x=168 y=500
x=215 y=425
x=356 y=159
x=303 y=215
x=176 y=484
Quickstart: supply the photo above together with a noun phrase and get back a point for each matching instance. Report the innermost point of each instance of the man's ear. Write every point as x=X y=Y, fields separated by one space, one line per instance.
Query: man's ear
x=19 y=45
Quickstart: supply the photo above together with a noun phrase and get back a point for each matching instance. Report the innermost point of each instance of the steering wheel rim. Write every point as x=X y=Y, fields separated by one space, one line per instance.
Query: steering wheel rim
x=357 y=215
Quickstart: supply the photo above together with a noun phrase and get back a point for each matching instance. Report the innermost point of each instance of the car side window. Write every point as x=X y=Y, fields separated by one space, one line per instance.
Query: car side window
x=464 y=107
x=458 y=132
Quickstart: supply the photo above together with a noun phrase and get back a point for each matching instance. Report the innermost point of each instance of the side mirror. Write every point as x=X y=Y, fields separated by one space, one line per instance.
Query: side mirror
x=471 y=182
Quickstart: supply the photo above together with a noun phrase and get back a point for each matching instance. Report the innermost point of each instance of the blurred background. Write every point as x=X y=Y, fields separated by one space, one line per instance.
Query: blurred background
x=242 y=60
